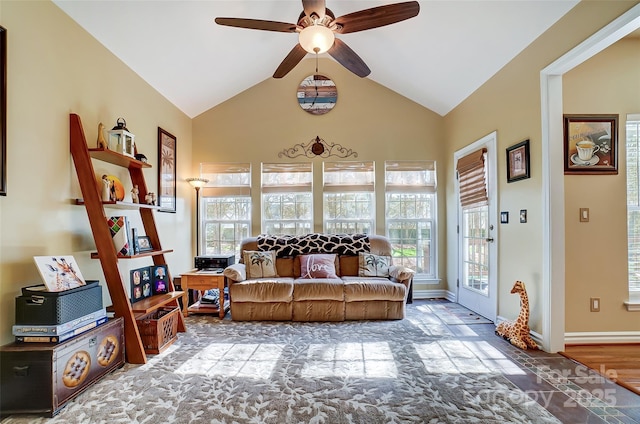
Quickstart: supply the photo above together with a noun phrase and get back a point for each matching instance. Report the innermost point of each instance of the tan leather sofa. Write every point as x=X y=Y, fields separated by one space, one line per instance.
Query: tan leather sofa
x=288 y=297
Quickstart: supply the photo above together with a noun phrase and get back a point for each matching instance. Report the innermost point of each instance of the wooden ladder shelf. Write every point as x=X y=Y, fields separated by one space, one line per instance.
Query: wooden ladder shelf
x=94 y=205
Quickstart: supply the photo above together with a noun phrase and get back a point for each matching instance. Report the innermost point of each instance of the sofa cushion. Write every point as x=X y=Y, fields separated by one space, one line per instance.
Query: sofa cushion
x=262 y=290
x=349 y=265
x=357 y=289
x=318 y=289
x=318 y=266
x=370 y=265
x=260 y=264
x=284 y=267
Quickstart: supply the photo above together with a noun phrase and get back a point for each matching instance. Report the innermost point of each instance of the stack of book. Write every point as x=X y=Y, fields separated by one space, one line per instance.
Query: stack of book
x=60 y=332
x=63 y=307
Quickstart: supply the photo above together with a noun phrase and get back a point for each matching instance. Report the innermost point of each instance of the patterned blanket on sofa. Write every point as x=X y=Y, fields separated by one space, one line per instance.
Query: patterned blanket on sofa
x=340 y=244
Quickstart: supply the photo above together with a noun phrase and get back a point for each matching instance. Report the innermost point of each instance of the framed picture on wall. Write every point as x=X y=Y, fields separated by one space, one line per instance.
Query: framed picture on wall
x=590 y=144
x=166 y=171
x=3 y=111
x=518 y=166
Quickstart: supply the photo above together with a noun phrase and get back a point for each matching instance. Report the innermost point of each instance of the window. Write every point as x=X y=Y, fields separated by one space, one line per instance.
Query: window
x=348 y=191
x=287 y=198
x=410 y=188
x=226 y=203
x=633 y=203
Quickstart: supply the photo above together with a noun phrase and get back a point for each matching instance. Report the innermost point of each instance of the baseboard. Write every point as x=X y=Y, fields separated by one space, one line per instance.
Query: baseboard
x=589 y=337
x=602 y=337
x=434 y=294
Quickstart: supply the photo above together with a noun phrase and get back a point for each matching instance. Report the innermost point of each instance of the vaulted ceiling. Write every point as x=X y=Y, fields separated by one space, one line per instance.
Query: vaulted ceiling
x=436 y=59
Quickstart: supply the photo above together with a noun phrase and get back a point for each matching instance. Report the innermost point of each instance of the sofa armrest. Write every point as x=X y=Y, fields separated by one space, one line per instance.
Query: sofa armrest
x=235 y=272
x=401 y=274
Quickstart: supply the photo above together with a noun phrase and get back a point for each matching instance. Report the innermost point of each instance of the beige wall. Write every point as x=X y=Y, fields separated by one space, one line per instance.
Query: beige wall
x=596 y=252
x=55 y=68
x=375 y=122
x=510 y=104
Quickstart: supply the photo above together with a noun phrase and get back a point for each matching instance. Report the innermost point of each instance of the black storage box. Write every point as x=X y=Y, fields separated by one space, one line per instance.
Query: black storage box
x=40 y=307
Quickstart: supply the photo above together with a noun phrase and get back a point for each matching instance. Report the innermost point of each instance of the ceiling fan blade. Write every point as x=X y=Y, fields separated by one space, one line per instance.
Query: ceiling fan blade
x=257 y=24
x=348 y=58
x=293 y=58
x=376 y=17
x=314 y=6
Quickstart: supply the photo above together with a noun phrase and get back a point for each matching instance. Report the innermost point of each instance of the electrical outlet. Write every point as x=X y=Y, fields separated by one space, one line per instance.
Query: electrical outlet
x=595 y=304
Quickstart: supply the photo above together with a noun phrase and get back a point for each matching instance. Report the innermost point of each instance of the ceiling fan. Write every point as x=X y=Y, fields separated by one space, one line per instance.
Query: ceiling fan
x=317 y=27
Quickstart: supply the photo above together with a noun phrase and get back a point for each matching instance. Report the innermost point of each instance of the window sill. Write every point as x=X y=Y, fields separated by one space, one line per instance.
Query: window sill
x=633 y=304
x=425 y=280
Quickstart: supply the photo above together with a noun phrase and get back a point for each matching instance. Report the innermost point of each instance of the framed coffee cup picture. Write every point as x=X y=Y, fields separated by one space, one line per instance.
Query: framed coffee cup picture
x=590 y=144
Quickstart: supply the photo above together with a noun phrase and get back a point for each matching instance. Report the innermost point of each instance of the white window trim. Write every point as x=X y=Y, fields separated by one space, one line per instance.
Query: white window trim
x=633 y=304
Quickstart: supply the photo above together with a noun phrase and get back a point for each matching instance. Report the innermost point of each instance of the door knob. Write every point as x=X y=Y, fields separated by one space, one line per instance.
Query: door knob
x=489 y=239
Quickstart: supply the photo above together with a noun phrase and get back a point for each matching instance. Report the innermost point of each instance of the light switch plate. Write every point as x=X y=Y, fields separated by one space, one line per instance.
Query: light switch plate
x=584 y=214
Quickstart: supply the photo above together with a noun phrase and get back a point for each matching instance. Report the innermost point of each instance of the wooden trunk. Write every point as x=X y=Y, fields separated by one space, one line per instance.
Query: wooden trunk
x=42 y=377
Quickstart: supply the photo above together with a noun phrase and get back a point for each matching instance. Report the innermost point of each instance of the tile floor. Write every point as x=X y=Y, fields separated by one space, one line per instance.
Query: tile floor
x=568 y=389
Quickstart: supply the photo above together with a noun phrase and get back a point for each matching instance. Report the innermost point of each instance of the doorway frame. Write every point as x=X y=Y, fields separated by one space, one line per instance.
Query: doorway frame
x=553 y=243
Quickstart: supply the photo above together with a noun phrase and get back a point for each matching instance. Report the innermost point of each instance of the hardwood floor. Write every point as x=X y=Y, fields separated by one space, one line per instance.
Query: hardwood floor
x=619 y=362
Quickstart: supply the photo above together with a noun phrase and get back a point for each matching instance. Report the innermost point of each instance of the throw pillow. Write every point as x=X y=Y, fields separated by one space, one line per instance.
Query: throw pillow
x=260 y=264
x=320 y=265
x=235 y=272
x=370 y=265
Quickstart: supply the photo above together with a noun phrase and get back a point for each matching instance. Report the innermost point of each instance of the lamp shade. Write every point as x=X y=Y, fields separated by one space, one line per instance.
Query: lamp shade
x=197 y=182
x=316 y=39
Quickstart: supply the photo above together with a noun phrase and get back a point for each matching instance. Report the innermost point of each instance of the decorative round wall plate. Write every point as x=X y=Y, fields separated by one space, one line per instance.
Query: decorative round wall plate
x=317 y=94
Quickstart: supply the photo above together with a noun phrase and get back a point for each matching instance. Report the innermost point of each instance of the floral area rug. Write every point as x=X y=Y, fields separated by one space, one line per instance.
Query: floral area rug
x=414 y=370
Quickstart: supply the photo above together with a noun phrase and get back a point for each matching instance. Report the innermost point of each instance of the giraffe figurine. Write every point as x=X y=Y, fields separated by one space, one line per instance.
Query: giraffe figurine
x=517 y=332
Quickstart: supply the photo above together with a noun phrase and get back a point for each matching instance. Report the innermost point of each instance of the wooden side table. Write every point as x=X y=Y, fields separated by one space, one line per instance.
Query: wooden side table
x=204 y=280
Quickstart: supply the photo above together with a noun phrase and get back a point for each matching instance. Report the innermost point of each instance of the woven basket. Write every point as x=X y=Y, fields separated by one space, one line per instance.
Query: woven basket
x=158 y=329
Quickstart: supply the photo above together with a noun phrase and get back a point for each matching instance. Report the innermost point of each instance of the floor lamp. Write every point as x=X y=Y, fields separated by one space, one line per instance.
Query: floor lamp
x=197 y=183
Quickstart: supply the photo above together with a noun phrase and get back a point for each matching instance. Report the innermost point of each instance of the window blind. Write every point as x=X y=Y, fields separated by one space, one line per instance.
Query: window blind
x=410 y=176
x=226 y=179
x=472 y=178
x=343 y=177
x=287 y=177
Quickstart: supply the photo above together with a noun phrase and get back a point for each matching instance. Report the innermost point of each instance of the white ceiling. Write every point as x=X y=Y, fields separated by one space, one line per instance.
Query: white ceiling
x=436 y=59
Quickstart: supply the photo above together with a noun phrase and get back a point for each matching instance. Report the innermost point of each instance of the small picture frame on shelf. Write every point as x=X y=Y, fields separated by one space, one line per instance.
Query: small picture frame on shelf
x=144 y=244
x=140 y=284
x=160 y=279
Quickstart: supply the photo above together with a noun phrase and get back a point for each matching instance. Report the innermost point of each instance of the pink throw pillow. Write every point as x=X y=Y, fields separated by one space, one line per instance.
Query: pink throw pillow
x=318 y=266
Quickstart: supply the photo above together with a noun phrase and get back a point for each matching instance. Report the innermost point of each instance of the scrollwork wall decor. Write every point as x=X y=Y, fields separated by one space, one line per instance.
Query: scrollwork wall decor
x=317 y=147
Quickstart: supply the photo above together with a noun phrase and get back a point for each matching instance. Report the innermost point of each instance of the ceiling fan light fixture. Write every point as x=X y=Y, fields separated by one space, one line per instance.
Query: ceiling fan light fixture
x=316 y=39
